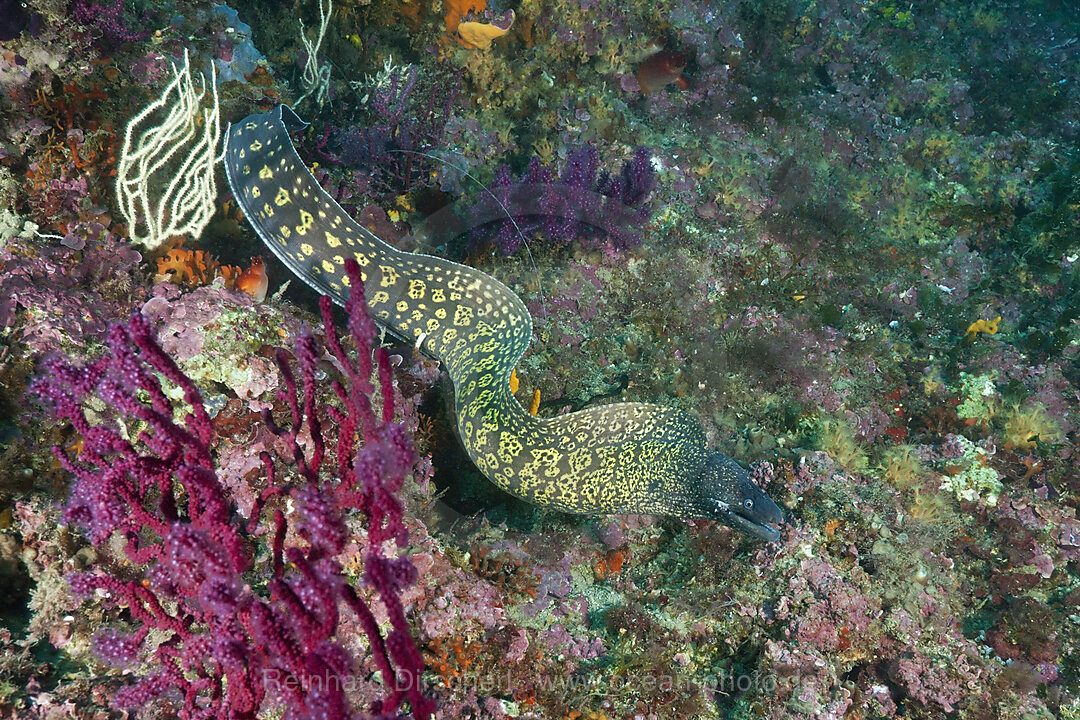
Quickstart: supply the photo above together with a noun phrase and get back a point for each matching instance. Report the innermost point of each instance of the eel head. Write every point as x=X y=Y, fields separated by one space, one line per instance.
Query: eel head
x=729 y=495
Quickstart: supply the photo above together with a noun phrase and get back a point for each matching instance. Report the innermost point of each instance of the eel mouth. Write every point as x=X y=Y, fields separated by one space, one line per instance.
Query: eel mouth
x=763 y=531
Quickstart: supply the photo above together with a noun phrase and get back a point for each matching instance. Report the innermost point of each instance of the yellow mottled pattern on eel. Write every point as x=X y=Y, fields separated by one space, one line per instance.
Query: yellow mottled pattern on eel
x=628 y=457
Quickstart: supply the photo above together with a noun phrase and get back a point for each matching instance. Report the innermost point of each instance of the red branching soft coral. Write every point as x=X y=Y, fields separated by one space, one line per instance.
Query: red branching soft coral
x=233 y=648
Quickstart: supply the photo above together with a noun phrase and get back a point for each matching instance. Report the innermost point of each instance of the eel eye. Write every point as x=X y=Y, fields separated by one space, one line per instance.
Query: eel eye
x=748 y=504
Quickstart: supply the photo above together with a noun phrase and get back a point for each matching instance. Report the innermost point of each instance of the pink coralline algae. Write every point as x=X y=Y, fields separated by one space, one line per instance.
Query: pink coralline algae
x=460 y=603
x=54 y=295
x=108 y=19
x=840 y=616
x=215 y=335
x=929 y=684
x=233 y=650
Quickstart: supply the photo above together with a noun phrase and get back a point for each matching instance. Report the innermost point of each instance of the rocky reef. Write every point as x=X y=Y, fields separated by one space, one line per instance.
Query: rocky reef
x=850 y=250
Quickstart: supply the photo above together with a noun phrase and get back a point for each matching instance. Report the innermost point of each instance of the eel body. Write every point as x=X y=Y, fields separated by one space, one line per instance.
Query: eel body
x=620 y=458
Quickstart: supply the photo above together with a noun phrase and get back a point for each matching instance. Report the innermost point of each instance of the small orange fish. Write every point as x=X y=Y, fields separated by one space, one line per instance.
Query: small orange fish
x=254 y=281
x=660 y=69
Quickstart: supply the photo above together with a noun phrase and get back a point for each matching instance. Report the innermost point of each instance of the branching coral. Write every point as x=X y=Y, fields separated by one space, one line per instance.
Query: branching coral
x=409 y=112
x=234 y=648
x=579 y=203
x=157 y=209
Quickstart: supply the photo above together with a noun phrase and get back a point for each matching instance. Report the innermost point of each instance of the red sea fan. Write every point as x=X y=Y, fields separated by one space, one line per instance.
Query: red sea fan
x=232 y=648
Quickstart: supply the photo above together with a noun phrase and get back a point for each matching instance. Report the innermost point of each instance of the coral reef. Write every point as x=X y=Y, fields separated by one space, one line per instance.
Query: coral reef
x=849 y=250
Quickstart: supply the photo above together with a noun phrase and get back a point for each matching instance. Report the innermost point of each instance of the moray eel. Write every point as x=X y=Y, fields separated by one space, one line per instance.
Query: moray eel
x=621 y=458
